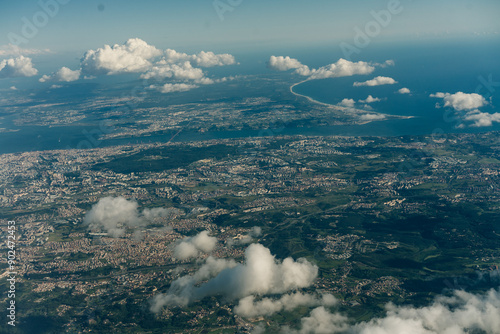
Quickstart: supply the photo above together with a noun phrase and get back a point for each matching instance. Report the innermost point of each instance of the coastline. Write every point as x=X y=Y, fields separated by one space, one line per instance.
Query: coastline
x=348 y=109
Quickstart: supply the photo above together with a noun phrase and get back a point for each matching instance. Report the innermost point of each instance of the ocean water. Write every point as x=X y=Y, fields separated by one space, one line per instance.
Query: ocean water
x=423 y=67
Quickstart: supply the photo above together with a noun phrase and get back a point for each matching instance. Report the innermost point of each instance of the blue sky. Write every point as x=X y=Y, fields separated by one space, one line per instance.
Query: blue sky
x=195 y=24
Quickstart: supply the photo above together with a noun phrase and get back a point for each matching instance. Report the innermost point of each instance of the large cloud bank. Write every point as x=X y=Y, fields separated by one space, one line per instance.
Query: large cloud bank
x=260 y=274
x=370 y=99
x=342 y=68
x=17 y=67
x=459 y=314
x=183 y=71
x=115 y=214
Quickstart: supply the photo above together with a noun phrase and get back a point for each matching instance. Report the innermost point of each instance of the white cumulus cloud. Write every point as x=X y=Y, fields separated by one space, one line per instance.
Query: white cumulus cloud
x=377 y=81
x=173 y=71
x=115 y=214
x=349 y=103
x=459 y=314
x=482 y=119
x=342 y=68
x=203 y=59
x=249 y=308
x=260 y=274
x=192 y=246
x=461 y=101
x=404 y=90
x=63 y=74
x=210 y=59
x=17 y=67
x=133 y=56
x=370 y=99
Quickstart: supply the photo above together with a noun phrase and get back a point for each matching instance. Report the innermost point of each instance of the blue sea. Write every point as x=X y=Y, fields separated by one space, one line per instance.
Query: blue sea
x=424 y=68
x=470 y=66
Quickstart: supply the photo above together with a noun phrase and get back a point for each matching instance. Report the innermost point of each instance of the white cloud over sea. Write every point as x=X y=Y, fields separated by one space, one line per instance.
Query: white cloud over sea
x=377 y=81
x=461 y=101
x=20 y=66
x=467 y=107
x=341 y=68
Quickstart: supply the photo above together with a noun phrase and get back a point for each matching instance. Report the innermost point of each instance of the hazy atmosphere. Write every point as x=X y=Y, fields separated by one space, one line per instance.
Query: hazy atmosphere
x=234 y=166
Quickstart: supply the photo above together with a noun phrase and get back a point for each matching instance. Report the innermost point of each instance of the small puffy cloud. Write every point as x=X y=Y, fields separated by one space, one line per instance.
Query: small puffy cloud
x=15 y=50
x=404 y=90
x=115 y=214
x=133 y=56
x=260 y=274
x=341 y=68
x=192 y=246
x=13 y=88
x=172 y=56
x=210 y=59
x=17 y=67
x=482 y=119
x=177 y=71
x=372 y=117
x=63 y=74
x=281 y=63
x=389 y=62
x=377 y=81
x=170 y=88
x=370 y=99
x=249 y=308
x=461 y=101
x=321 y=321
x=460 y=313
x=349 y=103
